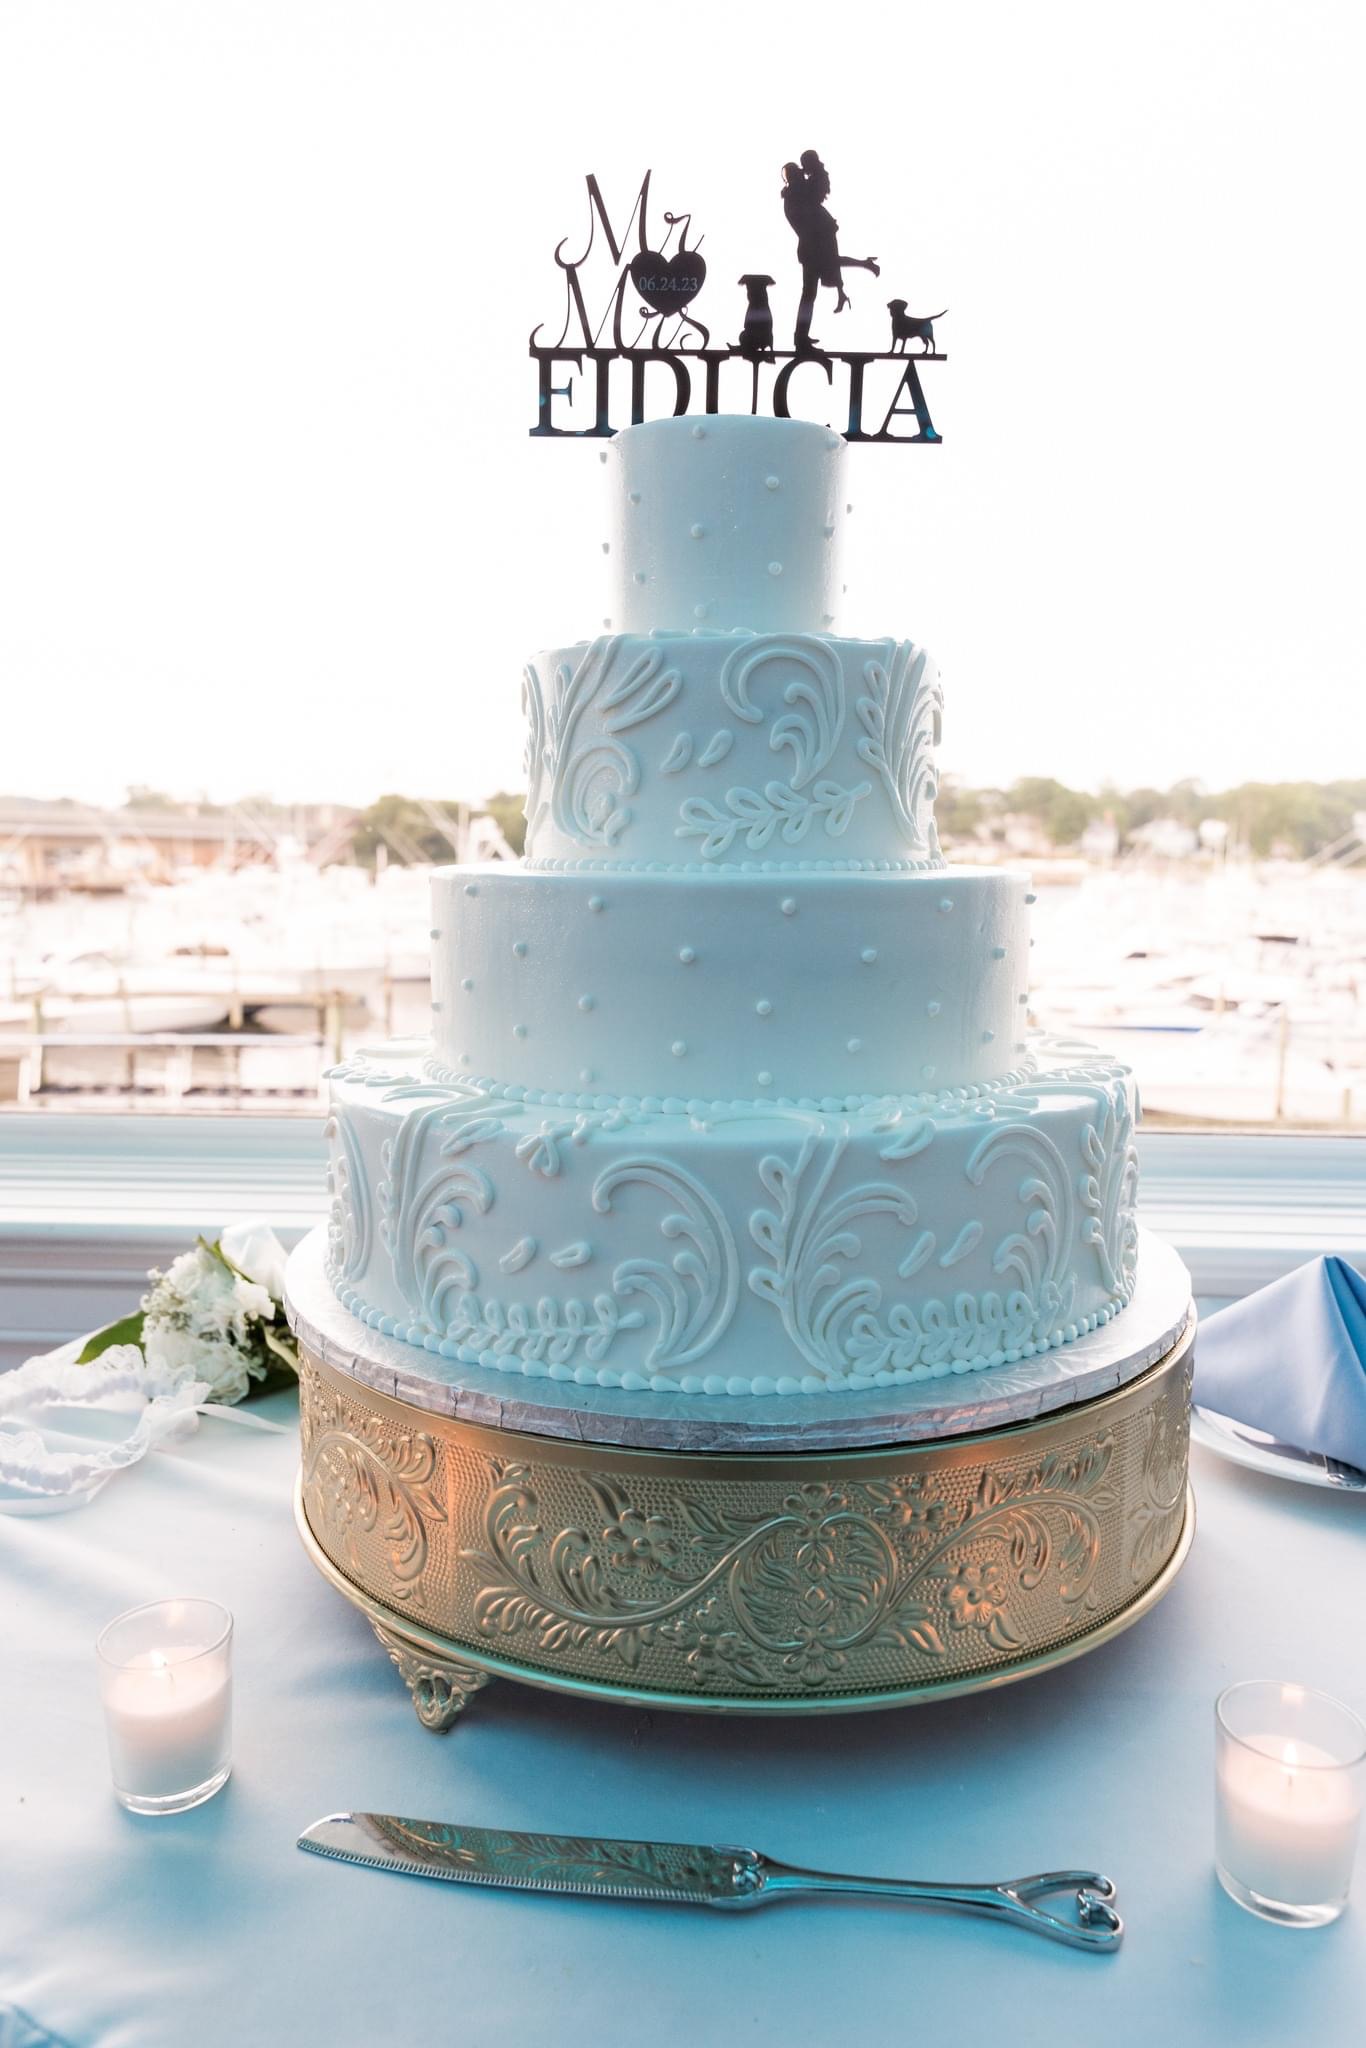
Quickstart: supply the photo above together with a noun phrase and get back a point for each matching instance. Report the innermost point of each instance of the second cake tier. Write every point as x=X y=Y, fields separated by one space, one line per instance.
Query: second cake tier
x=785 y=987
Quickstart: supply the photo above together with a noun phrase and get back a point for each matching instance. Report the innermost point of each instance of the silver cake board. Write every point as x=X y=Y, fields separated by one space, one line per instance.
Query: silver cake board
x=961 y=1403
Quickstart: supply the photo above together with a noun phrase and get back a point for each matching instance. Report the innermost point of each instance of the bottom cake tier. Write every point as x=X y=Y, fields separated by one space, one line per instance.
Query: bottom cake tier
x=742 y=1248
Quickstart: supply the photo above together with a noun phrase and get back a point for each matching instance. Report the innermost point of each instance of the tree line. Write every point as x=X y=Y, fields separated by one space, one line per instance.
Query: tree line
x=1292 y=818
x=1296 y=819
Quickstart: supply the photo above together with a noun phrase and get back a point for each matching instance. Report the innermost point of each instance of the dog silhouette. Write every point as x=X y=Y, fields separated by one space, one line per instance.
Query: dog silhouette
x=756 y=336
x=907 y=327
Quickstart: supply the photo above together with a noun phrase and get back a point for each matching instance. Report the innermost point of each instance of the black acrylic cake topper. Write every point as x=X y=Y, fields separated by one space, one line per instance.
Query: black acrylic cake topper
x=658 y=285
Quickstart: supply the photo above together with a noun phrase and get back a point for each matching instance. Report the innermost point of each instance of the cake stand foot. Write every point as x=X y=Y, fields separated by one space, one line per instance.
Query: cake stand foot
x=441 y=1686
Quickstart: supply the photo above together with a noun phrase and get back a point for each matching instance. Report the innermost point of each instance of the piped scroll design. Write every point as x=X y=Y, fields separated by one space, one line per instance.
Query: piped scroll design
x=578 y=782
x=805 y=1235
x=1038 y=1257
x=695 y=1294
x=805 y=1588
x=810 y=730
x=835 y=1317
x=363 y=1477
x=902 y=715
x=1108 y=1189
x=421 y=1210
x=350 y=1216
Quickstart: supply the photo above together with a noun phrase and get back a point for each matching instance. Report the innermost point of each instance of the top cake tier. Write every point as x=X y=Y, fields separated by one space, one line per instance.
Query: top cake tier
x=725 y=522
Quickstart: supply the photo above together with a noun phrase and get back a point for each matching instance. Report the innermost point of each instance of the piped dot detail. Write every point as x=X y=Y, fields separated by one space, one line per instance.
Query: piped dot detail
x=587 y=1002
x=687 y=954
x=678 y=1048
x=933 y=1009
x=763 y=1008
x=868 y=955
x=519 y=1030
x=788 y=906
x=699 y=433
x=771 y=483
x=595 y=903
x=945 y=905
x=855 y=1045
x=775 y=568
x=519 y=948
x=697 y=530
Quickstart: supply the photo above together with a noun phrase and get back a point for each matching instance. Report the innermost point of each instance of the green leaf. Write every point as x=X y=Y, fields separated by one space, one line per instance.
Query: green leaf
x=283 y=1347
x=216 y=1251
x=127 y=1330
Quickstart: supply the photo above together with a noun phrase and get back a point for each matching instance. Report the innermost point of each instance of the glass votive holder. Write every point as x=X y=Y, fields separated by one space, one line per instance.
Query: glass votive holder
x=166 y=1686
x=1289 y=1780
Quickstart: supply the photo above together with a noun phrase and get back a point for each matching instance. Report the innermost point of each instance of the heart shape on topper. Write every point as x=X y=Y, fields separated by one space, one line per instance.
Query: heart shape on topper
x=668 y=283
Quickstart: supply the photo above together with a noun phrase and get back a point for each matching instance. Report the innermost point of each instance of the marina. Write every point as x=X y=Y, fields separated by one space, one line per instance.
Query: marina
x=1236 y=991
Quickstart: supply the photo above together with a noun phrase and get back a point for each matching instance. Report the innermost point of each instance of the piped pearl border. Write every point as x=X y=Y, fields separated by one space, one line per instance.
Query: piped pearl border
x=943 y=1100
x=761 y=1386
x=550 y=865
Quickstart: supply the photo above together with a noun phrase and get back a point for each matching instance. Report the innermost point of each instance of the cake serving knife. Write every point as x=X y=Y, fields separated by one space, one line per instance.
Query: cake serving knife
x=692 y=1874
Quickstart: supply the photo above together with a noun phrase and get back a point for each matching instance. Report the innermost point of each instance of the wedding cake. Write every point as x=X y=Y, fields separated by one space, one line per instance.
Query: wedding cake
x=729 y=1089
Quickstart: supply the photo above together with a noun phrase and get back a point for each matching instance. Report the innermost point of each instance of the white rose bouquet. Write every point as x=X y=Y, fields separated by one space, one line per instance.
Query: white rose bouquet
x=217 y=1315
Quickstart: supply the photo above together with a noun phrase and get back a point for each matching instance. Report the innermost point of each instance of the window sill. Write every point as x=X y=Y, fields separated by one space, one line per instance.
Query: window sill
x=88 y=1203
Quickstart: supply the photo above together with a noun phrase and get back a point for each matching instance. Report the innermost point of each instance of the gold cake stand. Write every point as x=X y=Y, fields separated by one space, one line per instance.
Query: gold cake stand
x=622 y=1547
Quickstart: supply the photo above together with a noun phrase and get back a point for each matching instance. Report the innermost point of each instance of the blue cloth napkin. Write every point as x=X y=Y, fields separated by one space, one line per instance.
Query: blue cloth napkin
x=1291 y=1359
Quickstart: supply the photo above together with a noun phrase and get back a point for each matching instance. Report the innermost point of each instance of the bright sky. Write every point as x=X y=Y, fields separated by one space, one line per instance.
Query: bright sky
x=270 y=520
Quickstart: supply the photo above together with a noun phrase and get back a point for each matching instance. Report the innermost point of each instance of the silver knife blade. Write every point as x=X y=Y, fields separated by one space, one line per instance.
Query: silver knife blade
x=684 y=1873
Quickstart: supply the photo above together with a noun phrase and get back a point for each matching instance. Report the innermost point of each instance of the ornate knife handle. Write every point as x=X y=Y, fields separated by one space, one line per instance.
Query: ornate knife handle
x=1093 y=1924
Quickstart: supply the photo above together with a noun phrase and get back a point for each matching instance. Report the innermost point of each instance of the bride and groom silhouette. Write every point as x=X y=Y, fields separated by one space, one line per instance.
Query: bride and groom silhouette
x=806 y=187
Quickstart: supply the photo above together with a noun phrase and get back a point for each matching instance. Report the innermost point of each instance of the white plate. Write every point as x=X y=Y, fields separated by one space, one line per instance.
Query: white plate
x=1244 y=1445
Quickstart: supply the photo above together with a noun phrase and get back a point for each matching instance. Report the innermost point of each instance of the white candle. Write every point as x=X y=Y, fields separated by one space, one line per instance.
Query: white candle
x=168 y=1719
x=166 y=1682
x=1286 y=1820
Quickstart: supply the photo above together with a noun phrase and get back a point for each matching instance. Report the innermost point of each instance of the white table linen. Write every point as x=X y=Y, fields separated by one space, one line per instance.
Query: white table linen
x=211 y=1928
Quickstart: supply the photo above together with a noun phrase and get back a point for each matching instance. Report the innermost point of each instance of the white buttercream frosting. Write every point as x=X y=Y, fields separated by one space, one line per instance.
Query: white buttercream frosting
x=743 y=1247
x=730 y=1089
x=729 y=985
x=725 y=521
x=710 y=750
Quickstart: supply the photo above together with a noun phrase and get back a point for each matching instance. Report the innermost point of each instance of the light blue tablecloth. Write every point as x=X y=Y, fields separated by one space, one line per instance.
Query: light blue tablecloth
x=212 y=1929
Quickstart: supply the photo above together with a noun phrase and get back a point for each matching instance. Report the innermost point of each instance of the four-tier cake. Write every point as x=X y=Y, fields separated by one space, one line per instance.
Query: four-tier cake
x=729 y=1090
